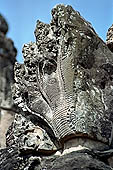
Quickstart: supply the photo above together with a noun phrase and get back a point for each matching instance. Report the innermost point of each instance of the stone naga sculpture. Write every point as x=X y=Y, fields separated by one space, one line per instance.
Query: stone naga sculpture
x=64 y=98
x=65 y=84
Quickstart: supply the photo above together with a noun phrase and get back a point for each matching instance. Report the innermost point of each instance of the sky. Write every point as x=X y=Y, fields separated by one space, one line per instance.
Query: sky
x=22 y=15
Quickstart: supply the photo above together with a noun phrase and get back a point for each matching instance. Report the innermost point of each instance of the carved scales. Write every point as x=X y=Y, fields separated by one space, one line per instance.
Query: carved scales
x=65 y=79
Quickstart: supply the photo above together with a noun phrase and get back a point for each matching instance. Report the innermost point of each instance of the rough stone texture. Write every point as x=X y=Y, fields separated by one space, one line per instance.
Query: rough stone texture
x=67 y=79
x=3 y=25
x=109 y=40
x=28 y=136
x=63 y=93
x=12 y=158
x=5 y=121
x=81 y=160
x=7 y=59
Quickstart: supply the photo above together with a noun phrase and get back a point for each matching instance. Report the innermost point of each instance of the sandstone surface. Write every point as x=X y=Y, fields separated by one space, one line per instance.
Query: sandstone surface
x=64 y=97
x=7 y=59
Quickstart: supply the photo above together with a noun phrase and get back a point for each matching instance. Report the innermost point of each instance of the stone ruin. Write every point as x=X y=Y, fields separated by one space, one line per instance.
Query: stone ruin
x=109 y=40
x=63 y=94
x=7 y=60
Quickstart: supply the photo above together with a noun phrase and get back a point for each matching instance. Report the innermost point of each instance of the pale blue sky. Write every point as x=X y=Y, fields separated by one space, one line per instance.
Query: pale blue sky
x=22 y=15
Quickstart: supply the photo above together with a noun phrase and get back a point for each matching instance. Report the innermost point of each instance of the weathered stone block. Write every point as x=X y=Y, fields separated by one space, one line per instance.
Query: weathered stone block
x=7 y=60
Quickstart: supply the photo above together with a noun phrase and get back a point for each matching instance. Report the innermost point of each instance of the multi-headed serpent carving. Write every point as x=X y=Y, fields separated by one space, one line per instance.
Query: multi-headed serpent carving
x=65 y=78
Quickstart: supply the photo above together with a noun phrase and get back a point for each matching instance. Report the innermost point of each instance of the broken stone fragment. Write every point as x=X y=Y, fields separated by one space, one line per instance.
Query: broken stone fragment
x=109 y=39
